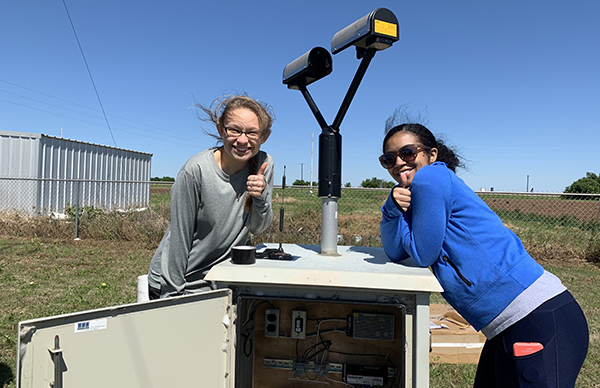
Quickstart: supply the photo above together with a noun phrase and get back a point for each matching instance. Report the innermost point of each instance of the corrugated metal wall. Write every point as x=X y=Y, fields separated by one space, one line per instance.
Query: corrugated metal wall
x=18 y=159
x=43 y=174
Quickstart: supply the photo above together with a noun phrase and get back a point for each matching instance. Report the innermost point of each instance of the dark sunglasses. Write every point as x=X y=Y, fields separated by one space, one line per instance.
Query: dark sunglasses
x=408 y=153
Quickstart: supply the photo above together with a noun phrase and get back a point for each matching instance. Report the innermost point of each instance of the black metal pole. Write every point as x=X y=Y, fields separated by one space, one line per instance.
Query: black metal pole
x=313 y=107
x=360 y=73
x=330 y=164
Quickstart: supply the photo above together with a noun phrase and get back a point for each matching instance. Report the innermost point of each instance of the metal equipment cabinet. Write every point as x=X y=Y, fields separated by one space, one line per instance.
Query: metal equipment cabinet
x=250 y=331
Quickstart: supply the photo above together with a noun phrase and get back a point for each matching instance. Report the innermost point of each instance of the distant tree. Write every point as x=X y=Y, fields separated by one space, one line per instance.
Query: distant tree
x=300 y=182
x=348 y=184
x=163 y=179
x=376 y=183
x=588 y=185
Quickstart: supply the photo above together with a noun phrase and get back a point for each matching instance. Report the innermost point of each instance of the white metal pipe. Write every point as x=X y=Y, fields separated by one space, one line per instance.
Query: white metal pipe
x=329 y=212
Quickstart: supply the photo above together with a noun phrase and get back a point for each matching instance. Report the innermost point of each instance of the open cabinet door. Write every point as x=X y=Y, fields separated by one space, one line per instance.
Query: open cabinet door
x=179 y=342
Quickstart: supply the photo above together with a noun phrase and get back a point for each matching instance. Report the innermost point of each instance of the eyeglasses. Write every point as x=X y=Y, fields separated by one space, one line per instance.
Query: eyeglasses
x=234 y=132
x=408 y=153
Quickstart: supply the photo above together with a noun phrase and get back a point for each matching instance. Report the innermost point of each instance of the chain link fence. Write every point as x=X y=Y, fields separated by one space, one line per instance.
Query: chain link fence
x=68 y=199
x=358 y=208
x=45 y=196
x=540 y=218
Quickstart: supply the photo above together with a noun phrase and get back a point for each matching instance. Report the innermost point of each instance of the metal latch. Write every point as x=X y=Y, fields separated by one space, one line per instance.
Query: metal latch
x=57 y=358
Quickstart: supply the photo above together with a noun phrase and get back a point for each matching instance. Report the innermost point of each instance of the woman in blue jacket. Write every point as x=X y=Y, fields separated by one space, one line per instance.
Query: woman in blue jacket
x=537 y=335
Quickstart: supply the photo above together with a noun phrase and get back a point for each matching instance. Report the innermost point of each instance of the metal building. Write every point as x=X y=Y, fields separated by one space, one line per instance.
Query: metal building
x=41 y=174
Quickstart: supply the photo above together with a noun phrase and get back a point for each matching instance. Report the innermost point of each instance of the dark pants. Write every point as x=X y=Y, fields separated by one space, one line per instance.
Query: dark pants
x=153 y=293
x=560 y=326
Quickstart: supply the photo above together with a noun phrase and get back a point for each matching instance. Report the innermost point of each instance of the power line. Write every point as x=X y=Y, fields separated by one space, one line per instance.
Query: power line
x=89 y=72
x=45 y=111
x=187 y=143
x=46 y=94
x=161 y=130
x=170 y=132
x=47 y=103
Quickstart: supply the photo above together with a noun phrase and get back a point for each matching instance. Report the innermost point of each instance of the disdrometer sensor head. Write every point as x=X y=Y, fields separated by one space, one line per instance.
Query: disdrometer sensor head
x=378 y=30
x=308 y=68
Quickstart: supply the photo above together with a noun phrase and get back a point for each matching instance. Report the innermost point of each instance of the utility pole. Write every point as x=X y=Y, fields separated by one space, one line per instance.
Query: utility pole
x=312 y=148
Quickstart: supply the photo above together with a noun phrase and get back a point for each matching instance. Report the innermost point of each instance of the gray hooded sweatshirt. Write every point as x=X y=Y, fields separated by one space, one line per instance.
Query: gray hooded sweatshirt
x=207 y=219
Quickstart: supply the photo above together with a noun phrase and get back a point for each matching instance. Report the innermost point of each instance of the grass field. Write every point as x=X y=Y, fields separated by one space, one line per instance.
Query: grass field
x=45 y=277
x=44 y=272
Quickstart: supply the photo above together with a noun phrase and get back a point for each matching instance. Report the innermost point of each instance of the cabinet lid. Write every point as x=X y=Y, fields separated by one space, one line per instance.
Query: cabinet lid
x=365 y=268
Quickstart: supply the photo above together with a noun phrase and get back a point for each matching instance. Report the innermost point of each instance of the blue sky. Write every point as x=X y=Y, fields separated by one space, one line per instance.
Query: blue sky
x=514 y=85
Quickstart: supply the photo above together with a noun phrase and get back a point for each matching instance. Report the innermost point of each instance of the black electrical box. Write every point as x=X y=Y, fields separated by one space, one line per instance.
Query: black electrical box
x=370 y=376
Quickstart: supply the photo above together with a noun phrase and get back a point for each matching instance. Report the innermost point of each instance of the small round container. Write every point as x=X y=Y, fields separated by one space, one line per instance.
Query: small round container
x=243 y=254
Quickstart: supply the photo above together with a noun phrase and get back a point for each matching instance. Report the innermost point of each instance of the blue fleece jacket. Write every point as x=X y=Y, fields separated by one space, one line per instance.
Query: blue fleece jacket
x=480 y=263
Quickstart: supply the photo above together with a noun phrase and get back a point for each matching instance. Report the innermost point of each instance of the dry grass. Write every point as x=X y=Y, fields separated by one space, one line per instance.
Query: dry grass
x=146 y=227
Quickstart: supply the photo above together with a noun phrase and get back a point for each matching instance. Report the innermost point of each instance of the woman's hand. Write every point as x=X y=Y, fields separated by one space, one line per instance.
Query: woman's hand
x=401 y=194
x=256 y=183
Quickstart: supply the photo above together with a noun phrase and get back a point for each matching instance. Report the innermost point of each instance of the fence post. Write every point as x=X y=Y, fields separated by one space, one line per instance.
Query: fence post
x=77 y=182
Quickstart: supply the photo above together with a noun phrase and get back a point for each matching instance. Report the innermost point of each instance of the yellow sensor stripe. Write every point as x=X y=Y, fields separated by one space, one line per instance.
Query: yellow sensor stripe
x=385 y=28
